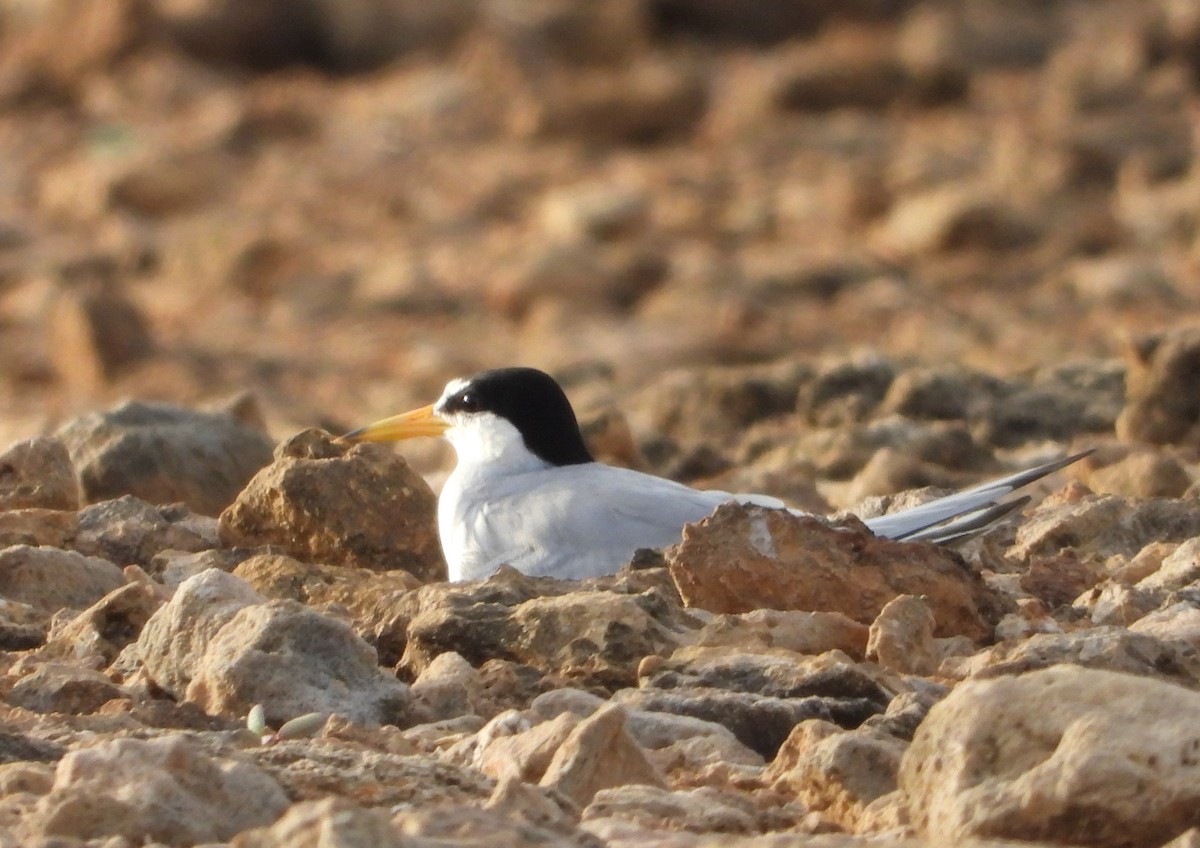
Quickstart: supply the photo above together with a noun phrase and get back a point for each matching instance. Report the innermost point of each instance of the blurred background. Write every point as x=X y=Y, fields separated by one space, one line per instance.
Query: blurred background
x=337 y=205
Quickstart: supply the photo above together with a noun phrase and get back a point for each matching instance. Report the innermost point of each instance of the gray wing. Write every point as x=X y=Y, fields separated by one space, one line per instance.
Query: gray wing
x=586 y=520
x=964 y=513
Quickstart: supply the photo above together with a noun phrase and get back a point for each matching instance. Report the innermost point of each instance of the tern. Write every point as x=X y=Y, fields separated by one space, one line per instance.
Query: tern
x=527 y=492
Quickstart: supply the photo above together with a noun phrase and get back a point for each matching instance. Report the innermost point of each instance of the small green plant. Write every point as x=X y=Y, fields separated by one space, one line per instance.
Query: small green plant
x=300 y=727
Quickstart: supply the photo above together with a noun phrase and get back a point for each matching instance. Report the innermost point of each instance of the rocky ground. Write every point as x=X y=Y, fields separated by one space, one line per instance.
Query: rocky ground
x=837 y=252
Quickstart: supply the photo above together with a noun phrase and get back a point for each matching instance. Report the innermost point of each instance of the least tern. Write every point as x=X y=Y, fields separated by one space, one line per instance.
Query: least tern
x=526 y=491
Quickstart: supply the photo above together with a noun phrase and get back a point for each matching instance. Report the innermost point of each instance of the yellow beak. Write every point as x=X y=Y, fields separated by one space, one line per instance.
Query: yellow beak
x=409 y=425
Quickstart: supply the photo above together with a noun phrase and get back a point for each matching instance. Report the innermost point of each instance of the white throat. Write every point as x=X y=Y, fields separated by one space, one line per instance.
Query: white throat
x=485 y=442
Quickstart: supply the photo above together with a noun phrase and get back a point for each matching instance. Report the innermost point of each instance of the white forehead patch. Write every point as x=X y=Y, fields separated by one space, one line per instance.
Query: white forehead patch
x=455 y=385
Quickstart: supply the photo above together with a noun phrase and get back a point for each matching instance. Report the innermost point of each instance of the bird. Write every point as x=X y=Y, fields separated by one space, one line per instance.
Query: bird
x=526 y=492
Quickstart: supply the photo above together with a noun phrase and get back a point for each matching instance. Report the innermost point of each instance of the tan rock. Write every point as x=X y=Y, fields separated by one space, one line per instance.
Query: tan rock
x=325 y=502
x=1105 y=525
x=839 y=773
x=696 y=810
x=528 y=754
x=790 y=630
x=106 y=627
x=599 y=754
x=902 y=637
x=743 y=558
x=163 y=790
x=51 y=579
x=62 y=688
x=449 y=686
x=1177 y=622
x=1163 y=388
x=329 y=821
x=1051 y=755
x=38 y=474
x=129 y=531
x=97 y=333
x=49 y=528
x=1178 y=569
x=294 y=661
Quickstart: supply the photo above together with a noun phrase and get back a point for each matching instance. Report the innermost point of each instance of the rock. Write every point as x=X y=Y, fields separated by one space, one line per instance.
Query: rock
x=1163 y=387
x=953 y=218
x=527 y=754
x=1107 y=648
x=1058 y=580
x=838 y=773
x=1141 y=474
x=329 y=821
x=940 y=393
x=374 y=601
x=550 y=32
x=1178 y=622
x=1101 y=526
x=797 y=631
x=845 y=392
x=324 y=502
x=592 y=635
x=696 y=810
x=759 y=22
x=653 y=100
x=57 y=46
x=598 y=754
x=333 y=36
x=163 y=790
x=312 y=769
x=166 y=454
x=60 y=688
x=599 y=211
x=37 y=474
x=902 y=637
x=1179 y=568
x=38 y=528
x=130 y=531
x=514 y=819
x=742 y=558
x=449 y=687
x=294 y=661
x=49 y=579
x=21 y=626
x=175 y=639
x=759 y=722
x=1050 y=755
x=1116 y=603
x=18 y=748
x=96 y=334
x=108 y=626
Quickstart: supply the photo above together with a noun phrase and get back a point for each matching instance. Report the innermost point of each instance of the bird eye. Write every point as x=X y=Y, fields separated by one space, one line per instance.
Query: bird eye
x=467 y=402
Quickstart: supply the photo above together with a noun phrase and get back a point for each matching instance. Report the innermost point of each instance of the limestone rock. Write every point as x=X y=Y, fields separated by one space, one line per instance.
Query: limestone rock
x=108 y=626
x=902 y=637
x=49 y=528
x=1109 y=648
x=697 y=810
x=164 y=790
x=526 y=755
x=596 y=635
x=329 y=821
x=1104 y=525
x=798 y=631
x=129 y=531
x=174 y=641
x=49 y=579
x=165 y=454
x=97 y=333
x=61 y=688
x=324 y=502
x=1050 y=756
x=294 y=661
x=38 y=474
x=598 y=754
x=312 y=769
x=742 y=558
x=1163 y=386
x=840 y=773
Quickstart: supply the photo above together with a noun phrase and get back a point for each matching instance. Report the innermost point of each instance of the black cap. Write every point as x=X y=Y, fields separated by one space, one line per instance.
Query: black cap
x=532 y=402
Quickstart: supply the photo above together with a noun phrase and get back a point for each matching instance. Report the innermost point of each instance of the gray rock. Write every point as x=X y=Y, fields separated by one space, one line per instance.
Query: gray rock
x=38 y=474
x=49 y=579
x=163 y=790
x=165 y=454
x=129 y=531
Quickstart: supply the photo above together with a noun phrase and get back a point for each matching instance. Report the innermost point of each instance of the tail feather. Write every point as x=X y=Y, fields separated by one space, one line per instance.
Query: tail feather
x=972 y=510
